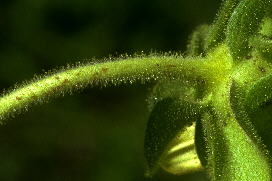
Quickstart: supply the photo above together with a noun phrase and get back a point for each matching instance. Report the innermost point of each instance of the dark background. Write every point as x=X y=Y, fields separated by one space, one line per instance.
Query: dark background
x=96 y=134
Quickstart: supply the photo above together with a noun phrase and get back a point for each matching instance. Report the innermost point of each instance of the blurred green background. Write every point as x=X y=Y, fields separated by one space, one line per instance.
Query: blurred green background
x=96 y=134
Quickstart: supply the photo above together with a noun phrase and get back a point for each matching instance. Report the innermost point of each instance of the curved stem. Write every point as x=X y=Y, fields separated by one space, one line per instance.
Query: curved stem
x=259 y=94
x=232 y=153
x=141 y=69
x=244 y=23
x=217 y=32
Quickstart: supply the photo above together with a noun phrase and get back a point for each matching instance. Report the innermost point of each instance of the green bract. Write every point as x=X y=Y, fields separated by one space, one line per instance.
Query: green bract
x=209 y=110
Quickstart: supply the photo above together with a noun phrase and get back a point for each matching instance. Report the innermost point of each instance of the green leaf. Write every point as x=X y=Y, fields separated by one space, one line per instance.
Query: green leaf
x=258 y=106
x=266 y=26
x=196 y=46
x=217 y=32
x=237 y=101
x=261 y=119
x=263 y=46
x=254 y=119
x=244 y=23
x=259 y=94
x=200 y=143
x=262 y=42
x=169 y=138
x=232 y=154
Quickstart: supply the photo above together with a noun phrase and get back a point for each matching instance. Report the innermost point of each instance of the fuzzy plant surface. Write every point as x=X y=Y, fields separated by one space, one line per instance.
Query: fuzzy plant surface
x=209 y=109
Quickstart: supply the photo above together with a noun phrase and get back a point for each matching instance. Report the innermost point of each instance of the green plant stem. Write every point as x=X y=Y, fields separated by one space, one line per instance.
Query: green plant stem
x=245 y=22
x=141 y=69
x=217 y=32
x=232 y=153
x=196 y=46
x=259 y=94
